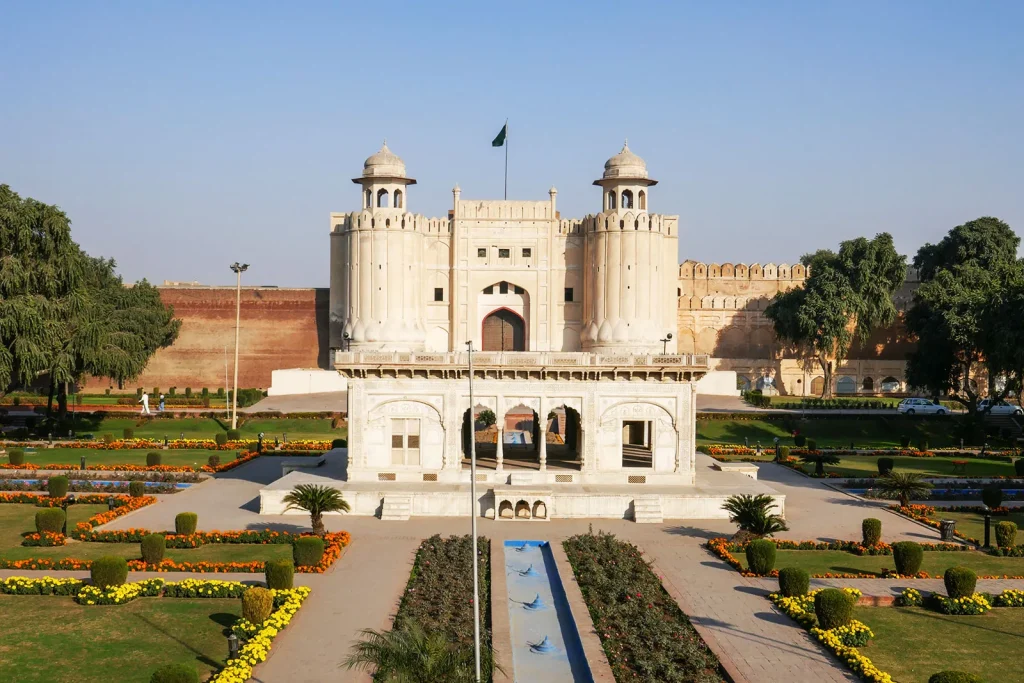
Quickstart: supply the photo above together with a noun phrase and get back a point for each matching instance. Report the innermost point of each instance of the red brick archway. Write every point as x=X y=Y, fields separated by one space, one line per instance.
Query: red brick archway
x=504 y=330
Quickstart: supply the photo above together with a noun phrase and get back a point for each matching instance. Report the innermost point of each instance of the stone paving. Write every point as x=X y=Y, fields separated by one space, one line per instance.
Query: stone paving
x=362 y=590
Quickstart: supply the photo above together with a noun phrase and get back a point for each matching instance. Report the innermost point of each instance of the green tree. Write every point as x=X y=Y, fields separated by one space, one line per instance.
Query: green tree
x=753 y=514
x=316 y=499
x=820 y=460
x=413 y=656
x=846 y=296
x=902 y=486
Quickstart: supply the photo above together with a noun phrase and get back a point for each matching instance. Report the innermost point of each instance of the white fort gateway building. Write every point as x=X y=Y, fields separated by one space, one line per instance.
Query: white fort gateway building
x=582 y=407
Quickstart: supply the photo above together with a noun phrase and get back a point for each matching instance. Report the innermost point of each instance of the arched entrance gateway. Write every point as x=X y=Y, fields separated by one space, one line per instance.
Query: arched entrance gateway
x=504 y=330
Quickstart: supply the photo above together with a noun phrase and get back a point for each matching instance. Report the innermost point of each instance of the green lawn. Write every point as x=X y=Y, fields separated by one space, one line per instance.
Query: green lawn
x=16 y=519
x=882 y=431
x=206 y=428
x=63 y=456
x=935 y=562
x=973 y=524
x=912 y=643
x=863 y=465
x=59 y=641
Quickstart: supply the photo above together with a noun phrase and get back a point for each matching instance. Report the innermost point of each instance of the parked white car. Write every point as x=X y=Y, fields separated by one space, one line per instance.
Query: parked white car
x=999 y=408
x=920 y=406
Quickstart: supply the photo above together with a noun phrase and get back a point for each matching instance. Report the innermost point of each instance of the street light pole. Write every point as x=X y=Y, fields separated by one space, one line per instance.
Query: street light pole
x=472 y=513
x=664 y=343
x=238 y=269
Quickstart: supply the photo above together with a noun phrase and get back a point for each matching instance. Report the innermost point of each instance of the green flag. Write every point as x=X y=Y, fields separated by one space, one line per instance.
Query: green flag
x=500 y=139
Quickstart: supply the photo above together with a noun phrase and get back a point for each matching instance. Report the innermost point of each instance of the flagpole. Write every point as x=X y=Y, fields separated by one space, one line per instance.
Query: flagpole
x=506 y=159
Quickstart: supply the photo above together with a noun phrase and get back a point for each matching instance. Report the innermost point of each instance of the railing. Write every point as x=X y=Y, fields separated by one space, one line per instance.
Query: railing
x=531 y=359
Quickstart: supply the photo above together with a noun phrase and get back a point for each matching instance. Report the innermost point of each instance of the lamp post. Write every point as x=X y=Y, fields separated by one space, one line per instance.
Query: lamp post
x=232 y=646
x=346 y=340
x=68 y=500
x=238 y=269
x=664 y=343
x=472 y=514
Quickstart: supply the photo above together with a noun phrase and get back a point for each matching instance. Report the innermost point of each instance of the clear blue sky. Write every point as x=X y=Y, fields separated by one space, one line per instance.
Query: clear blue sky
x=183 y=136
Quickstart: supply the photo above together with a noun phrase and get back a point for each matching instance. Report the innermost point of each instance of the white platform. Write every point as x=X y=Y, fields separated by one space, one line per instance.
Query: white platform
x=305 y=381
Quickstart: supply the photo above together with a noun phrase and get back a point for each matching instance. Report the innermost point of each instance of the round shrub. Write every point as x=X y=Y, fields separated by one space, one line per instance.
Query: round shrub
x=16 y=456
x=907 y=557
x=339 y=443
x=108 y=438
x=885 y=465
x=992 y=495
x=233 y=435
x=137 y=488
x=960 y=582
x=175 y=673
x=812 y=445
x=129 y=433
x=109 y=571
x=153 y=546
x=220 y=438
x=50 y=519
x=1018 y=466
x=761 y=556
x=871 y=531
x=257 y=604
x=280 y=574
x=308 y=551
x=922 y=444
x=953 y=677
x=833 y=607
x=152 y=459
x=800 y=440
x=794 y=581
x=1006 y=534
x=783 y=452
x=213 y=461
x=904 y=442
x=185 y=523
x=57 y=487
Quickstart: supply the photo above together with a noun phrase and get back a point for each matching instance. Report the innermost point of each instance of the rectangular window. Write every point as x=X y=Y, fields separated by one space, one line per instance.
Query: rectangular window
x=568 y=293
x=518 y=289
x=489 y=289
x=503 y=288
x=405 y=441
x=438 y=293
x=504 y=253
x=527 y=253
x=481 y=253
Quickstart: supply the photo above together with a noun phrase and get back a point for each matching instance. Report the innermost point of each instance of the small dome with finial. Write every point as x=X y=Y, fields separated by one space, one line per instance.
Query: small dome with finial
x=625 y=164
x=384 y=163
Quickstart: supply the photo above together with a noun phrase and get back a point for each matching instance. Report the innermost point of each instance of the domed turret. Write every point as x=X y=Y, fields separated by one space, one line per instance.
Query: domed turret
x=625 y=181
x=384 y=164
x=384 y=180
x=625 y=164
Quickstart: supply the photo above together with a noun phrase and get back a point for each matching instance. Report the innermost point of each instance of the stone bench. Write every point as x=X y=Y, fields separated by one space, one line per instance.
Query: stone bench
x=302 y=463
x=746 y=468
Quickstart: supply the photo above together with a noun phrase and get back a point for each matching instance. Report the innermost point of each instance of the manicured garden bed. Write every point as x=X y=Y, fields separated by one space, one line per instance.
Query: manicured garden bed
x=208 y=427
x=972 y=524
x=874 y=431
x=644 y=633
x=936 y=466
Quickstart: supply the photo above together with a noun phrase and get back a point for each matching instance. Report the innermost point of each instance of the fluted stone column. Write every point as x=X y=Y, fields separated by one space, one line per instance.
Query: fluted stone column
x=501 y=448
x=543 y=449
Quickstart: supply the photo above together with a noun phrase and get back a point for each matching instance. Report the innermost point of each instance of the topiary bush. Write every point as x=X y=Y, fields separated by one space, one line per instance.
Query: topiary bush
x=220 y=438
x=233 y=435
x=1018 y=467
x=1006 y=534
x=307 y=551
x=907 y=556
x=50 y=519
x=185 y=523
x=137 y=488
x=992 y=495
x=175 y=673
x=57 y=487
x=153 y=546
x=280 y=574
x=257 y=604
x=213 y=461
x=109 y=571
x=800 y=440
x=871 y=531
x=833 y=607
x=922 y=444
x=152 y=459
x=761 y=556
x=885 y=465
x=16 y=456
x=812 y=445
x=783 y=452
x=953 y=677
x=129 y=433
x=960 y=582
x=904 y=442
x=339 y=443
x=108 y=438
x=794 y=581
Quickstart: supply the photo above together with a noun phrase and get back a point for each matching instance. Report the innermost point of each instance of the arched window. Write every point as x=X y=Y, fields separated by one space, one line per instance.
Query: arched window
x=398 y=199
x=643 y=200
x=869 y=384
x=611 y=200
x=369 y=200
x=382 y=198
x=627 y=199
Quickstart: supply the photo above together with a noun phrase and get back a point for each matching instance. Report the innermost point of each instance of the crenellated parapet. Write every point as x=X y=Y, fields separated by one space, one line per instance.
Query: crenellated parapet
x=609 y=221
x=696 y=270
x=388 y=220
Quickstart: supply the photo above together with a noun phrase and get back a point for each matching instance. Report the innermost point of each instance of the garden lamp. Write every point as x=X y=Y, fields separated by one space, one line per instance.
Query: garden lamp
x=83 y=461
x=110 y=502
x=232 y=646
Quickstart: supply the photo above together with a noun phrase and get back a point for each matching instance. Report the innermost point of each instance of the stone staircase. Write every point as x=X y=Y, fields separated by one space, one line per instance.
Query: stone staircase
x=647 y=510
x=397 y=507
x=1008 y=422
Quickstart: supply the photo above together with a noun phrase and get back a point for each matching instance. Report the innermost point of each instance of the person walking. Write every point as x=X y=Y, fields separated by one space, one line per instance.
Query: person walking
x=145 y=403
x=161 y=407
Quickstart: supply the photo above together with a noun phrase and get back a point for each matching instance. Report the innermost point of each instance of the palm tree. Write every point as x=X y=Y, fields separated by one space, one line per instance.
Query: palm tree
x=903 y=485
x=316 y=500
x=820 y=460
x=753 y=514
x=409 y=655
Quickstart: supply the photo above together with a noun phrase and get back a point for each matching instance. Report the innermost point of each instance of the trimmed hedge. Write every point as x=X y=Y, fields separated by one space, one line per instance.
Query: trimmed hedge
x=800 y=440
x=280 y=574
x=16 y=456
x=953 y=677
x=812 y=445
x=1006 y=534
x=833 y=607
x=761 y=556
x=992 y=495
x=136 y=488
x=109 y=571
x=213 y=461
x=153 y=547
x=960 y=582
x=257 y=604
x=128 y=433
x=922 y=444
x=885 y=465
x=220 y=438
x=233 y=435
x=185 y=523
x=339 y=443
x=175 y=673
x=57 y=487
x=904 y=442
x=1018 y=466
x=871 y=531
x=907 y=556
x=50 y=519
x=307 y=551
x=794 y=581
x=152 y=459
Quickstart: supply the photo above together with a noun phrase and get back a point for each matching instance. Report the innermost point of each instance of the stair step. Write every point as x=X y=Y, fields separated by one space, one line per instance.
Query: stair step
x=647 y=510
x=396 y=508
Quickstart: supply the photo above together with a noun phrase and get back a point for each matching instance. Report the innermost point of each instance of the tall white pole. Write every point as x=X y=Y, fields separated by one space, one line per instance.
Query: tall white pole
x=227 y=384
x=238 y=318
x=472 y=514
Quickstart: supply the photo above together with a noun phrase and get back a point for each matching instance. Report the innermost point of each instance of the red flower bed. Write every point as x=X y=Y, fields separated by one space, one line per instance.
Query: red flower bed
x=47 y=539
